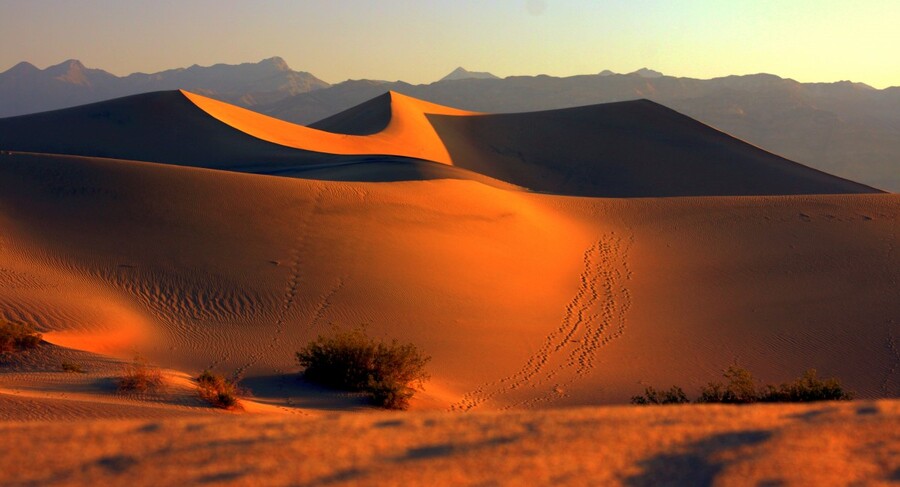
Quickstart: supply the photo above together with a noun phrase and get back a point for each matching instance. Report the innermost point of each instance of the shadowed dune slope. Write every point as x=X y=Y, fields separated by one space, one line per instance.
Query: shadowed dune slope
x=523 y=300
x=627 y=149
x=366 y=118
x=167 y=127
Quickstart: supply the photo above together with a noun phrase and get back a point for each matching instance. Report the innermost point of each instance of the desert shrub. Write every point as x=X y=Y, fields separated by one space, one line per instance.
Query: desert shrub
x=740 y=388
x=389 y=373
x=807 y=388
x=675 y=395
x=217 y=390
x=15 y=337
x=72 y=368
x=139 y=376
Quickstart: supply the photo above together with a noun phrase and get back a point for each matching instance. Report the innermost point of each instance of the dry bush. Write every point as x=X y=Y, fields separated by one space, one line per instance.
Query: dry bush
x=741 y=388
x=139 y=376
x=217 y=390
x=389 y=373
x=72 y=368
x=15 y=337
x=675 y=395
x=807 y=388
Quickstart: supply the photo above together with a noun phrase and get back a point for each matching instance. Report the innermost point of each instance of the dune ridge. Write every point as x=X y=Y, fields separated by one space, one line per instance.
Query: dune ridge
x=406 y=132
x=629 y=149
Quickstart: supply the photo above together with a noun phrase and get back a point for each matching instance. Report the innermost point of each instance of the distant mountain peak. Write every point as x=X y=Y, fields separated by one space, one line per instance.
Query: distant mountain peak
x=23 y=67
x=276 y=62
x=647 y=73
x=606 y=72
x=66 y=66
x=71 y=71
x=462 y=73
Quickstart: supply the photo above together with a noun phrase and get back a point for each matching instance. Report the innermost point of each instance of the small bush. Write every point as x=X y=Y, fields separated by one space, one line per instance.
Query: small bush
x=675 y=395
x=217 y=390
x=15 y=337
x=72 y=368
x=389 y=373
x=807 y=388
x=140 y=377
x=740 y=389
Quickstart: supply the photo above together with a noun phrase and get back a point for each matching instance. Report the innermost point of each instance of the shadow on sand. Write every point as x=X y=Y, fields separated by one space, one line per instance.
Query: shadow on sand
x=695 y=463
x=293 y=392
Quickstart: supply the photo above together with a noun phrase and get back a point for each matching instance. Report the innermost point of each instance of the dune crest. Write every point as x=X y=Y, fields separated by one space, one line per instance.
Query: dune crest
x=407 y=134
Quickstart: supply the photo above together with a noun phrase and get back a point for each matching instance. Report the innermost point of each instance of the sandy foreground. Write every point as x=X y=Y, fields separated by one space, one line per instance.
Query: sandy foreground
x=854 y=443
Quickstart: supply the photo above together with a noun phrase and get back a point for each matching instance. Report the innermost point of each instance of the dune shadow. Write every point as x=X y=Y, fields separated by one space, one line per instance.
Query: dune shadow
x=694 y=464
x=293 y=392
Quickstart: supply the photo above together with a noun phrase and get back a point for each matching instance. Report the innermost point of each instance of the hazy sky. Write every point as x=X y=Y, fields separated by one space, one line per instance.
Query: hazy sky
x=421 y=40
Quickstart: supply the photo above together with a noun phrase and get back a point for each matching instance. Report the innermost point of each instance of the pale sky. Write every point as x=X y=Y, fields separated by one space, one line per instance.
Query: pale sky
x=420 y=41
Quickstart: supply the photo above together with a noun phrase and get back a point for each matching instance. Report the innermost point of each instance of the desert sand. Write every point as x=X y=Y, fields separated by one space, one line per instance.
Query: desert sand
x=824 y=444
x=555 y=259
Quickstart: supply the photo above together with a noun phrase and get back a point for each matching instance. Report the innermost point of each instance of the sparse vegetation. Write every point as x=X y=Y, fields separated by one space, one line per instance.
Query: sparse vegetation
x=72 y=367
x=140 y=376
x=807 y=388
x=742 y=388
x=389 y=373
x=217 y=390
x=675 y=395
x=14 y=337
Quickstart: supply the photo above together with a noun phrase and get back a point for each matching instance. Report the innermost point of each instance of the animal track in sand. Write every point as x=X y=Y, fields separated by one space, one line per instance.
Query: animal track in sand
x=594 y=317
x=292 y=285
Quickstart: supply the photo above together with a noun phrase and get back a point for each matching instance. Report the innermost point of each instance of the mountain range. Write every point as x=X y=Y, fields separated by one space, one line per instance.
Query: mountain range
x=845 y=128
x=26 y=89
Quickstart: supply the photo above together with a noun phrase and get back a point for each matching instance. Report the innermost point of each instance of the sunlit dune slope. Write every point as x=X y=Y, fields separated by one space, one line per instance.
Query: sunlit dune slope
x=523 y=300
x=168 y=127
x=406 y=132
x=627 y=149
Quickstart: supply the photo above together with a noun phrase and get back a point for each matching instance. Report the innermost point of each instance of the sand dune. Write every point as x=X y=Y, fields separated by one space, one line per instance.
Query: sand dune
x=157 y=225
x=620 y=149
x=169 y=128
x=559 y=300
x=627 y=149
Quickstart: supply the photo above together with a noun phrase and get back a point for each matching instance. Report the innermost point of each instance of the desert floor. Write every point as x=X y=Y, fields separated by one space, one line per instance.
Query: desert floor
x=848 y=443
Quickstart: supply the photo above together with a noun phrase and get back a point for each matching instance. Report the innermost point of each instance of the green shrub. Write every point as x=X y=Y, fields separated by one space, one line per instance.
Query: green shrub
x=388 y=373
x=675 y=395
x=217 y=390
x=15 y=337
x=139 y=376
